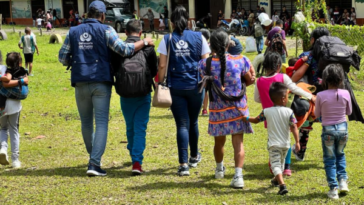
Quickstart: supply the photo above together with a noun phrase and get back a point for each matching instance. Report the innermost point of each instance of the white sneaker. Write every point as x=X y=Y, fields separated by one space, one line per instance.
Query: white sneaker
x=237 y=182
x=343 y=186
x=332 y=194
x=4 y=157
x=219 y=174
x=16 y=164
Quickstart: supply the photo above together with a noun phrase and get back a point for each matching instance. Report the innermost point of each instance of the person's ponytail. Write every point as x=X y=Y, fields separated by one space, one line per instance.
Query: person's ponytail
x=219 y=42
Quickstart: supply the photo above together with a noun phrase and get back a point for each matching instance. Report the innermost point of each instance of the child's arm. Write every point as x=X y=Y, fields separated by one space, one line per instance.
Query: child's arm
x=294 y=88
x=294 y=130
x=15 y=83
x=5 y=78
x=255 y=120
x=256 y=94
x=318 y=106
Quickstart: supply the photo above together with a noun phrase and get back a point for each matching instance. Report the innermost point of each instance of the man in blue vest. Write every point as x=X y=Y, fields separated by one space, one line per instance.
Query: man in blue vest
x=87 y=48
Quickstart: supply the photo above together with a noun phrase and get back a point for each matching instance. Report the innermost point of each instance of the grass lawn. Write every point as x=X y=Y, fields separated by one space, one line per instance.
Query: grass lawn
x=54 y=167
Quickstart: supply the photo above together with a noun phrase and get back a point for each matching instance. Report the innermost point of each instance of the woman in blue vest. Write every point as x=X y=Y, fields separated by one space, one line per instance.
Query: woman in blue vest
x=187 y=48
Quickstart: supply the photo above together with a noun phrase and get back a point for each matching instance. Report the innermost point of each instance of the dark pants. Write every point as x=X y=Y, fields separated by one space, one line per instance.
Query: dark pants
x=151 y=25
x=186 y=106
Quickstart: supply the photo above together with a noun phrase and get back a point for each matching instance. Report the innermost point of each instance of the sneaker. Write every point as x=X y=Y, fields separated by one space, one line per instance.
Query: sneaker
x=4 y=157
x=204 y=112
x=194 y=161
x=31 y=74
x=287 y=172
x=282 y=189
x=274 y=182
x=183 y=170
x=219 y=174
x=237 y=182
x=137 y=169
x=298 y=158
x=94 y=170
x=343 y=186
x=332 y=194
x=16 y=164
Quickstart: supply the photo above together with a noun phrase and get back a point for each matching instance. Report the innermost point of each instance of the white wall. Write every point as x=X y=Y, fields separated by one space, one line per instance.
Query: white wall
x=228 y=9
x=191 y=8
x=81 y=7
x=359 y=8
x=266 y=4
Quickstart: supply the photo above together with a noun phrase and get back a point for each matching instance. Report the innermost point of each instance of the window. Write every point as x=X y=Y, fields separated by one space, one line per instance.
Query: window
x=277 y=5
x=246 y=4
x=109 y=12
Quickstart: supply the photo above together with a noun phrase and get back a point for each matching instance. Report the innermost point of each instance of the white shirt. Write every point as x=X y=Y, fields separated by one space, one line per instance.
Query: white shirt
x=39 y=21
x=162 y=49
x=278 y=125
x=291 y=86
x=12 y=106
x=27 y=46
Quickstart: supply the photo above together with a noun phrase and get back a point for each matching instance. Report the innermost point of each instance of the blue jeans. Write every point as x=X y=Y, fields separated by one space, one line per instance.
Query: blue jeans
x=334 y=139
x=166 y=23
x=136 y=115
x=186 y=106
x=284 y=58
x=93 y=101
x=260 y=44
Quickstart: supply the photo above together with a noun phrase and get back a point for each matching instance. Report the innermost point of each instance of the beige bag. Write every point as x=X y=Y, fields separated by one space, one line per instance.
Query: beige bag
x=162 y=95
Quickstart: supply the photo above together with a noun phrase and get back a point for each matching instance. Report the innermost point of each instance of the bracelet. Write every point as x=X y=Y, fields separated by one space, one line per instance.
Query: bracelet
x=22 y=81
x=247 y=118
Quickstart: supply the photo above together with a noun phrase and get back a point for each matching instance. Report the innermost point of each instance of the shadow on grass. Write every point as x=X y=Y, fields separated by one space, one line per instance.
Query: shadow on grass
x=80 y=171
x=273 y=197
x=161 y=117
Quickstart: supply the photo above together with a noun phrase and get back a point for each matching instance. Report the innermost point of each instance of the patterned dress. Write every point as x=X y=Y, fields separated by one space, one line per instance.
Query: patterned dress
x=224 y=117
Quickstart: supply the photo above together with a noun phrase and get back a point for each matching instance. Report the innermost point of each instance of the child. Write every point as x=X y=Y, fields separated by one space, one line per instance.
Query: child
x=228 y=102
x=272 y=66
x=49 y=26
x=206 y=34
x=275 y=18
x=161 y=23
x=294 y=64
x=10 y=121
x=39 y=23
x=333 y=105
x=280 y=120
x=29 y=45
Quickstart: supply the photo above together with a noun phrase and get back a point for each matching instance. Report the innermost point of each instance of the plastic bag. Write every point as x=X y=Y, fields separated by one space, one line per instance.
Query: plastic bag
x=250 y=44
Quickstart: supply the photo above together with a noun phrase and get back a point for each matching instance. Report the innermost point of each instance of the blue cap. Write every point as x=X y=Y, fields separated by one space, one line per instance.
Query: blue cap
x=237 y=49
x=99 y=5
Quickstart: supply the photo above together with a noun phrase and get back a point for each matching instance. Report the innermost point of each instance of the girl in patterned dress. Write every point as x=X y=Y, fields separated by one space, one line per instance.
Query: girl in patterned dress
x=229 y=72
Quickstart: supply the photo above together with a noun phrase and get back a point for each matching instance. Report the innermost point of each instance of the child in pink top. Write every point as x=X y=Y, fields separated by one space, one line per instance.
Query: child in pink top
x=332 y=105
x=272 y=66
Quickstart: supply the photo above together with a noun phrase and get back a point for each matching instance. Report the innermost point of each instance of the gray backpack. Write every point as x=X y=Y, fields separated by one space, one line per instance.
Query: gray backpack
x=259 y=31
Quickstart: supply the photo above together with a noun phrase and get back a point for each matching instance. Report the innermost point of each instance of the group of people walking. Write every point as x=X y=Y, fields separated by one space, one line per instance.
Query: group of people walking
x=193 y=67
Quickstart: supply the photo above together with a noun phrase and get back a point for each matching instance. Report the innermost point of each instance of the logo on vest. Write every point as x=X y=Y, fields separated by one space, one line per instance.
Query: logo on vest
x=182 y=49
x=85 y=43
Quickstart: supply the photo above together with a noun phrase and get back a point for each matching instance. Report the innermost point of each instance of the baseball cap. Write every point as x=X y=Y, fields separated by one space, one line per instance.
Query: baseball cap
x=99 y=5
x=237 y=49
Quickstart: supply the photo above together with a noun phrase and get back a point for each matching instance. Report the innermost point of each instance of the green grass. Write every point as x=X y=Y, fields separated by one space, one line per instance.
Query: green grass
x=54 y=167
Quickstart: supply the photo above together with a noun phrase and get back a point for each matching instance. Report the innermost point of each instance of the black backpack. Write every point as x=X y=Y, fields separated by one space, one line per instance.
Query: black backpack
x=133 y=78
x=277 y=44
x=331 y=49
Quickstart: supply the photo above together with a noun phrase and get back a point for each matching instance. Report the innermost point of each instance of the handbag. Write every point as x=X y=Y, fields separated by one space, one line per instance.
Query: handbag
x=162 y=95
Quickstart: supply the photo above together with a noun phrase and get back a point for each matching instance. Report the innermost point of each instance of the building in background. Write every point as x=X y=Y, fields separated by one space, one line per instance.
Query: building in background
x=22 y=10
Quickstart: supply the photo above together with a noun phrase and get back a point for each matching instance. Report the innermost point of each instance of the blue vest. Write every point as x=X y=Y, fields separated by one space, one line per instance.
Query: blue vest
x=183 y=61
x=90 y=54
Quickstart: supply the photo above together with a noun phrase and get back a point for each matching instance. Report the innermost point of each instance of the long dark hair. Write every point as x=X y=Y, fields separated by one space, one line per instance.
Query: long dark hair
x=334 y=76
x=219 y=41
x=180 y=19
x=271 y=62
x=13 y=60
x=318 y=33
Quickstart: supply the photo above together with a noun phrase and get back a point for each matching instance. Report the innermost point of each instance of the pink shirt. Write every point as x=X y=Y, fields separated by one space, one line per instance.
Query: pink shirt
x=333 y=106
x=263 y=85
